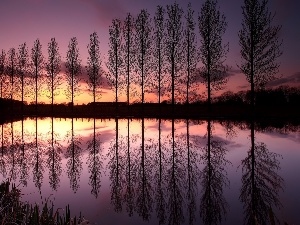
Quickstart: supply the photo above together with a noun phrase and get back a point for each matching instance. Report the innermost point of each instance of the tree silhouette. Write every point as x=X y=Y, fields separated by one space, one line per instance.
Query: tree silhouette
x=94 y=69
x=190 y=50
x=115 y=61
x=212 y=26
x=159 y=56
x=2 y=71
x=213 y=205
x=11 y=72
x=143 y=50
x=53 y=152
x=173 y=45
x=73 y=70
x=22 y=68
x=260 y=45
x=37 y=59
x=128 y=49
x=74 y=156
x=53 y=69
x=95 y=162
x=260 y=183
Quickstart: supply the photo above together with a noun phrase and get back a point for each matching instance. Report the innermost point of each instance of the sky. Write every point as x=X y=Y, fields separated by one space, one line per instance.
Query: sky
x=26 y=20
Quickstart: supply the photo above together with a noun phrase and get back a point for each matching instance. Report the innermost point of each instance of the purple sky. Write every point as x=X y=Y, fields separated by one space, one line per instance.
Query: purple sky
x=26 y=20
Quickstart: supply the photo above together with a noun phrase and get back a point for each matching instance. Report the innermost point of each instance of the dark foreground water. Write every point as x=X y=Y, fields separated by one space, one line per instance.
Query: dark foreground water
x=141 y=171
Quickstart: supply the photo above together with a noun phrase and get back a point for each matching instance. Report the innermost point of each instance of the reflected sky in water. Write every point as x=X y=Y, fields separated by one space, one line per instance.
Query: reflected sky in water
x=132 y=171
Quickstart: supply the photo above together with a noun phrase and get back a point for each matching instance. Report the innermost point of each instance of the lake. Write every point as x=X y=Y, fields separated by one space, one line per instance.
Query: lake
x=155 y=171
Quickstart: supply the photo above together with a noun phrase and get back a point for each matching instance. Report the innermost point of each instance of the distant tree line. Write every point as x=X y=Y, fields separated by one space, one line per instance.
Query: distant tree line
x=160 y=55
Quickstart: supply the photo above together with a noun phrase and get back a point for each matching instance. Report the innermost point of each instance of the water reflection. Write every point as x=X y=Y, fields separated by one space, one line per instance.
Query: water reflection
x=175 y=179
x=74 y=157
x=115 y=171
x=143 y=173
x=159 y=176
x=213 y=206
x=3 y=152
x=53 y=152
x=95 y=164
x=38 y=157
x=192 y=175
x=260 y=183
x=162 y=171
x=24 y=159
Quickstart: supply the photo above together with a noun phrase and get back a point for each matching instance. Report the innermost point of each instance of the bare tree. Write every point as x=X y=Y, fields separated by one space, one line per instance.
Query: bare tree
x=37 y=59
x=143 y=49
x=159 y=57
x=115 y=62
x=94 y=65
x=260 y=44
x=12 y=70
x=73 y=69
x=53 y=69
x=23 y=65
x=128 y=49
x=190 y=50
x=173 y=45
x=212 y=26
x=2 y=71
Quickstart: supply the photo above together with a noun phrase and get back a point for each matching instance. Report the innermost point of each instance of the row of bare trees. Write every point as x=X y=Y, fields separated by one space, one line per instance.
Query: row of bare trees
x=19 y=71
x=159 y=55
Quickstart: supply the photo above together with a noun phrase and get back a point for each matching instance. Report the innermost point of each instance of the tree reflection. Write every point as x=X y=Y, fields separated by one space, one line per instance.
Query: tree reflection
x=12 y=159
x=129 y=174
x=144 y=199
x=24 y=157
x=192 y=174
x=160 y=177
x=37 y=159
x=74 y=163
x=213 y=179
x=54 y=150
x=175 y=184
x=115 y=169
x=3 y=154
x=94 y=162
x=260 y=183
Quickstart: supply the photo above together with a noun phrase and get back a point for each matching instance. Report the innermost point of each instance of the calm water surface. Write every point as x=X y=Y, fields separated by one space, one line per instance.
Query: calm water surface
x=135 y=171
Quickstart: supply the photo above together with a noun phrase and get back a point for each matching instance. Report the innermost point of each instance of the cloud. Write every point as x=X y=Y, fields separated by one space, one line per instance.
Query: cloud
x=84 y=77
x=289 y=80
x=230 y=73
